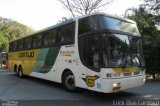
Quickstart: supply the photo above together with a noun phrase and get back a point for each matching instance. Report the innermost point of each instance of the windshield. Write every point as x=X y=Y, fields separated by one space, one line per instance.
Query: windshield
x=122 y=51
x=119 y=25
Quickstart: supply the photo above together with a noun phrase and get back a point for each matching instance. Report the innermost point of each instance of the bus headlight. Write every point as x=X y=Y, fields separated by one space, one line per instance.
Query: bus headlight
x=116 y=86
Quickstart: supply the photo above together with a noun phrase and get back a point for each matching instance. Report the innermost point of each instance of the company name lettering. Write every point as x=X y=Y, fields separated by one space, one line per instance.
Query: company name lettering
x=26 y=54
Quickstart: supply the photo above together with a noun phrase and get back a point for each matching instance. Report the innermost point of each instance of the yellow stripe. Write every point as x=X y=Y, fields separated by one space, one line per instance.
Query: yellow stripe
x=24 y=58
x=124 y=70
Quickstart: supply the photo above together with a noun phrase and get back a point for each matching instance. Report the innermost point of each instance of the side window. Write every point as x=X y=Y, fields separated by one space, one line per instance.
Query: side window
x=20 y=44
x=49 y=37
x=88 y=24
x=83 y=26
x=66 y=34
x=28 y=43
x=37 y=41
x=34 y=41
x=93 y=52
x=15 y=46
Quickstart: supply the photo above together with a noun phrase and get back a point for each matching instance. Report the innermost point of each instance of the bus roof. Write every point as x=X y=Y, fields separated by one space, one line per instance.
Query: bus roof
x=73 y=20
x=108 y=15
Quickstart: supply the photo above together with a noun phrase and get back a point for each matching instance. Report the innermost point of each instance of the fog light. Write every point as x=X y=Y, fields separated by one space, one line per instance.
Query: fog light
x=144 y=80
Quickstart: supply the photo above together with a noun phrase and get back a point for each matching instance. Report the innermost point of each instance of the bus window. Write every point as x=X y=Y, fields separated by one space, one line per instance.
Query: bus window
x=27 y=43
x=66 y=34
x=88 y=24
x=118 y=51
x=14 y=45
x=90 y=51
x=93 y=52
x=49 y=37
x=20 y=44
x=137 y=51
x=37 y=41
x=115 y=24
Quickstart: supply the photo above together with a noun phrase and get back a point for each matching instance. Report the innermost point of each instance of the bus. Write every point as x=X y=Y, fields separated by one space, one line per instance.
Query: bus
x=98 y=52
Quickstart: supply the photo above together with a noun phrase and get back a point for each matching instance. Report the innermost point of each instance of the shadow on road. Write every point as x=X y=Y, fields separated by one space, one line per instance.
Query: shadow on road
x=53 y=93
x=92 y=95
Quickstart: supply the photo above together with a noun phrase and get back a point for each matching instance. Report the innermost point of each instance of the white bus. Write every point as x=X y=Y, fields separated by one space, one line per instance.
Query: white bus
x=98 y=52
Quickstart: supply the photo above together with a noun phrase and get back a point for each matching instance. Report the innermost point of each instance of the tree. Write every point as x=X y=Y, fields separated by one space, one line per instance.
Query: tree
x=10 y=30
x=3 y=42
x=151 y=38
x=81 y=7
x=152 y=7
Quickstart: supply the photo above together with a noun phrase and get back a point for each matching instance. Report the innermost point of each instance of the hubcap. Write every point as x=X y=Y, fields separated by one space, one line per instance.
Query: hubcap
x=20 y=73
x=70 y=83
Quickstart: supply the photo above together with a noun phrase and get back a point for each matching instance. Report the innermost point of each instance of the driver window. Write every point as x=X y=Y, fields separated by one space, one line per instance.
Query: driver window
x=93 y=52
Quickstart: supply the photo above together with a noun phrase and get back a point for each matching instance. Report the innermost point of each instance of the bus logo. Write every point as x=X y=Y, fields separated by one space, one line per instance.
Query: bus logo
x=90 y=80
x=26 y=54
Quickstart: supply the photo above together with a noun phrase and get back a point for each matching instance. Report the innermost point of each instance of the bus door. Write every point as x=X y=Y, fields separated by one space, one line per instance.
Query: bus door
x=93 y=52
x=93 y=58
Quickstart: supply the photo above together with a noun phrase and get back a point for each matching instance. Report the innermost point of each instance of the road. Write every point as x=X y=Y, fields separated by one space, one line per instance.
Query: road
x=30 y=91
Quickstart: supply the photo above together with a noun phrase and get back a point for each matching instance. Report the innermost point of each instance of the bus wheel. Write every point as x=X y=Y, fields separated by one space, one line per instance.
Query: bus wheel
x=69 y=81
x=20 y=72
x=15 y=70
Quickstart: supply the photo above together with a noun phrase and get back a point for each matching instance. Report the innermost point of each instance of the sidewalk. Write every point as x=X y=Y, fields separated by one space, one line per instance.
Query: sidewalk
x=2 y=69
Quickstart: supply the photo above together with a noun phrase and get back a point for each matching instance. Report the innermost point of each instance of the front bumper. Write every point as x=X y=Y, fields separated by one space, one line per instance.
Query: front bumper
x=123 y=83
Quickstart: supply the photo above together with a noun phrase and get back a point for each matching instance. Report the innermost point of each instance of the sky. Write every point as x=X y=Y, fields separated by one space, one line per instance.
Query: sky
x=39 y=14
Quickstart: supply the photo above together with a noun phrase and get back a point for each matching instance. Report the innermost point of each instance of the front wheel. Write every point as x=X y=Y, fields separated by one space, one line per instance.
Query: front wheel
x=69 y=81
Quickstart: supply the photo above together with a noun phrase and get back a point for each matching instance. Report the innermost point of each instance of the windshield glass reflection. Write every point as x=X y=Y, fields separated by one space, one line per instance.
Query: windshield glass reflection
x=122 y=51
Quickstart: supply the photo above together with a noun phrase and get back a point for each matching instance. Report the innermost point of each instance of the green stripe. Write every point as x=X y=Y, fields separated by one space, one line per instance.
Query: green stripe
x=47 y=57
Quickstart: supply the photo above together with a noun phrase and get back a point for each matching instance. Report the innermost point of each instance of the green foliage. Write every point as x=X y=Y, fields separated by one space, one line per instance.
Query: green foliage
x=3 y=42
x=146 y=23
x=10 y=30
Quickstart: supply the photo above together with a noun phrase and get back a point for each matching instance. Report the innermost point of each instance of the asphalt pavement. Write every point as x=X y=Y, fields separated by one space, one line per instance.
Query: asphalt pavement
x=31 y=91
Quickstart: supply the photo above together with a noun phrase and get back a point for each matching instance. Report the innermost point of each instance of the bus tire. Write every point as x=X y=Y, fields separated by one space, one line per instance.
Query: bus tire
x=15 y=70
x=68 y=81
x=20 y=72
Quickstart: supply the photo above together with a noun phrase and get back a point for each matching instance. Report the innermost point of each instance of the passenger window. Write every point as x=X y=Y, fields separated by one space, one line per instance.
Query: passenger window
x=93 y=52
x=49 y=37
x=27 y=43
x=14 y=45
x=20 y=44
x=66 y=34
x=37 y=41
x=88 y=24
